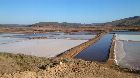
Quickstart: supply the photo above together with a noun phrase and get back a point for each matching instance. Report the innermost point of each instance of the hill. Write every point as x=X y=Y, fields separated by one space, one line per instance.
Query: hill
x=131 y=21
x=12 y=25
x=42 y=24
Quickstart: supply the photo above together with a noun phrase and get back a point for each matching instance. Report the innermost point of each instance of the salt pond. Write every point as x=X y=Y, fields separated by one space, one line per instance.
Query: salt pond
x=128 y=37
x=9 y=38
x=60 y=35
x=41 y=47
x=55 y=43
x=127 y=51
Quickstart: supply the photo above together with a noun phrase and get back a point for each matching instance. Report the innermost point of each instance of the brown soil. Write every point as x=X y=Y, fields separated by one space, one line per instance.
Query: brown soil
x=22 y=66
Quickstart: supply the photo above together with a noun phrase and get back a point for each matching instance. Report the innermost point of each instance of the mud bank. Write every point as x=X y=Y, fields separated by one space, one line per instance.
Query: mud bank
x=74 y=51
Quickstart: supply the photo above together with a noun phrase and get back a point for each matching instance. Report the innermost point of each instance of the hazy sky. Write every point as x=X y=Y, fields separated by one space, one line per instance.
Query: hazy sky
x=83 y=11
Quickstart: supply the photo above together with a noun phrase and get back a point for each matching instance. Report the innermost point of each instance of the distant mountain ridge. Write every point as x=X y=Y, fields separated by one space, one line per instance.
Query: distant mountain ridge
x=12 y=25
x=41 y=24
x=131 y=21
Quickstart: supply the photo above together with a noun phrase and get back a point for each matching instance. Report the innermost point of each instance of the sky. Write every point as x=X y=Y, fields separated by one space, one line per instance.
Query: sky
x=78 y=11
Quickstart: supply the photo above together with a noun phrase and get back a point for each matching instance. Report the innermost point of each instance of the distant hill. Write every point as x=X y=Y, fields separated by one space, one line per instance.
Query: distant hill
x=12 y=25
x=41 y=24
x=131 y=21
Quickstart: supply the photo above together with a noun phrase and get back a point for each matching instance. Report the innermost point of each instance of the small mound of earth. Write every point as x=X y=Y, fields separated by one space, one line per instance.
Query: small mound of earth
x=84 y=69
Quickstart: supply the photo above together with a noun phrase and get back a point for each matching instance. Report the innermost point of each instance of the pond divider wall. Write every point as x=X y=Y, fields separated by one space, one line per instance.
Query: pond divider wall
x=111 y=59
x=75 y=50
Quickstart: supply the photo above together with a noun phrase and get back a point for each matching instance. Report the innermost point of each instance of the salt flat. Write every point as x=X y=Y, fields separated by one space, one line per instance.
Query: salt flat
x=40 y=47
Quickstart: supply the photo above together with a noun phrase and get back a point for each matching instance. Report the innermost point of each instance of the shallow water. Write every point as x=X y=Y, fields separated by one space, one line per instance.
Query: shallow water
x=124 y=32
x=11 y=37
x=99 y=51
x=127 y=54
x=61 y=35
x=6 y=38
x=127 y=50
x=128 y=37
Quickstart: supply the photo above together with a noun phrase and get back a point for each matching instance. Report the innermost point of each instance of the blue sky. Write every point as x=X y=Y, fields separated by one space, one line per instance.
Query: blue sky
x=82 y=11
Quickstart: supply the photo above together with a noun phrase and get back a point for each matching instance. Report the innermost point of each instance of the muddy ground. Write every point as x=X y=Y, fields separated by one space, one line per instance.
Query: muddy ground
x=23 y=66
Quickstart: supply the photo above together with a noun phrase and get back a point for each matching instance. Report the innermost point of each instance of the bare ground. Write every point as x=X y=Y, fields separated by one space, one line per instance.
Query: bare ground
x=22 y=66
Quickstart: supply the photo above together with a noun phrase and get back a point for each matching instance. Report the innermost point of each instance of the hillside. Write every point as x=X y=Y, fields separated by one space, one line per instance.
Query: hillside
x=131 y=21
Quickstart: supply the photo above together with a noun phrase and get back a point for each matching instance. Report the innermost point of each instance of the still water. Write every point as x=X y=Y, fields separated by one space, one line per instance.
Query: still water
x=11 y=37
x=98 y=51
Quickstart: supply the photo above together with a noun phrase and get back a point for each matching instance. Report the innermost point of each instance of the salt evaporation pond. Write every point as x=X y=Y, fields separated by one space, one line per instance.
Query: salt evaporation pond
x=9 y=38
x=40 y=47
x=125 y=32
x=50 y=47
x=61 y=35
x=98 y=51
x=128 y=37
x=127 y=50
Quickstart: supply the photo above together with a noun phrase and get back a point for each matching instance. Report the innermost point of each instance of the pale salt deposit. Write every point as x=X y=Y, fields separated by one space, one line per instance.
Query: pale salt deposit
x=119 y=51
x=127 y=51
x=40 y=47
x=128 y=37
